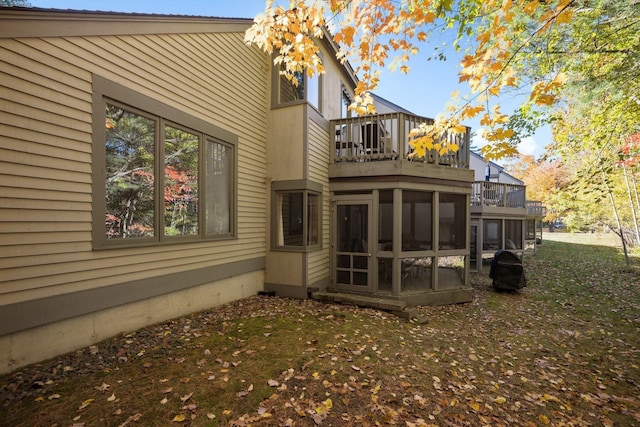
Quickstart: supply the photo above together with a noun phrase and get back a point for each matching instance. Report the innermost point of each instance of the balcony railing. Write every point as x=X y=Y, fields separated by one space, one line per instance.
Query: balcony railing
x=497 y=194
x=536 y=208
x=385 y=137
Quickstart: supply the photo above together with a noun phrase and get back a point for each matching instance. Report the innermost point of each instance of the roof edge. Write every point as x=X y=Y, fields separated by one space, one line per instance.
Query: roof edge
x=18 y=22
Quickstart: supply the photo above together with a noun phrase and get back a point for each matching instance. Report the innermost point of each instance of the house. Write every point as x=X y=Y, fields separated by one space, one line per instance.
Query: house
x=154 y=166
x=501 y=215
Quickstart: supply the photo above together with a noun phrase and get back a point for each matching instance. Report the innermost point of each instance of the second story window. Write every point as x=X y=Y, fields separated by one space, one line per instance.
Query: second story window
x=307 y=89
x=290 y=92
x=344 y=104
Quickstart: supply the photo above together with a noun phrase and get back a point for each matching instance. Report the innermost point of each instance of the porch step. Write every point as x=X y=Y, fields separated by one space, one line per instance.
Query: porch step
x=399 y=308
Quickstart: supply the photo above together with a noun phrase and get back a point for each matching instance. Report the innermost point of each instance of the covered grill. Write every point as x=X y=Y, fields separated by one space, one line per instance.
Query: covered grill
x=507 y=271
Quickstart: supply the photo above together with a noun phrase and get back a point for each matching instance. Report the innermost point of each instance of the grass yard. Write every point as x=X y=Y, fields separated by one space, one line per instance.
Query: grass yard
x=562 y=352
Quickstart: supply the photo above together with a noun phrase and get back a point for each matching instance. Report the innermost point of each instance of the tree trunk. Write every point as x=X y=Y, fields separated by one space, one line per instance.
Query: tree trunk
x=615 y=214
x=631 y=204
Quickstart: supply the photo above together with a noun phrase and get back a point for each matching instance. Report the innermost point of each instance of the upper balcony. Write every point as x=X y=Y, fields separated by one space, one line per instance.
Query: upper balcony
x=385 y=139
x=497 y=197
x=536 y=208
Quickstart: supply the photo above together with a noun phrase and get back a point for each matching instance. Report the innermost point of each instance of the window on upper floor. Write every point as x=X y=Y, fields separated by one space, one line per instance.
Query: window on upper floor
x=303 y=88
x=346 y=100
x=161 y=176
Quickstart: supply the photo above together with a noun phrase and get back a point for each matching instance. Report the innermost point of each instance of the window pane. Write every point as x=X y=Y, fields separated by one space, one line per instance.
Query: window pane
x=531 y=229
x=513 y=234
x=450 y=271
x=453 y=221
x=313 y=90
x=289 y=91
x=289 y=221
x=219 y=173
x=416 y=274
x=130 y=179
x=344 y=105
x=352 y=228
x=416 y=220
x=385 y=221
x=492 y=234
x=180 y=182
x=313 y=219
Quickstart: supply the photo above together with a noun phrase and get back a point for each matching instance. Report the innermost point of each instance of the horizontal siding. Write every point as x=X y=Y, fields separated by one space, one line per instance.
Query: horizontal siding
x=318 y=261
x=45 y=152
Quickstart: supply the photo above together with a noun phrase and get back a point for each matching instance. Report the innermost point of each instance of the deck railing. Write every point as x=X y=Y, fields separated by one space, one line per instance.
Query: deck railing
x=386 y=137
x=536 y=208
x=497 y=194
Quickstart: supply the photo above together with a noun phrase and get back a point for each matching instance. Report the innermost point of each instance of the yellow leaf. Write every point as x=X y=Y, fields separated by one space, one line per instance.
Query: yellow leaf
x=179 y=418
x=85 y=404
x=500 y=400
x=551 y=398
x=544 y=419
x=328 y=404
x=474 y=405
x=459 y=129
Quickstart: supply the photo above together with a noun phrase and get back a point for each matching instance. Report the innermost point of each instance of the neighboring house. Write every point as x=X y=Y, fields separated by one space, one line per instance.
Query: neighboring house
x=153 y=166
x=501 y=216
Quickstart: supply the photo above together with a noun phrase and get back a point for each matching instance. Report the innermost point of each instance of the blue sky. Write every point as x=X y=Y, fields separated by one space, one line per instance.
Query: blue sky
x=424 y=91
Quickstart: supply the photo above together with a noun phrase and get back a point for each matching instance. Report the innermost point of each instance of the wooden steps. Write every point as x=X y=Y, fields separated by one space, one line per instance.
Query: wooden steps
x=397 y=307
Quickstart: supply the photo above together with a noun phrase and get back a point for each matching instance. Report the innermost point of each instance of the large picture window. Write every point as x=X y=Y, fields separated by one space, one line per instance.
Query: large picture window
x=161 y=176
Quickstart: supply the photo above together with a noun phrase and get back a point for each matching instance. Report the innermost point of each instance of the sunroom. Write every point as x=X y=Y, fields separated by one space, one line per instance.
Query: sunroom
x=399 y=225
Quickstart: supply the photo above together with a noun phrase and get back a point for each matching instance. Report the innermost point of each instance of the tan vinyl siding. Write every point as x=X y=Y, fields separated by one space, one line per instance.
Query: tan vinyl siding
x=318 y=261
x=45 y=153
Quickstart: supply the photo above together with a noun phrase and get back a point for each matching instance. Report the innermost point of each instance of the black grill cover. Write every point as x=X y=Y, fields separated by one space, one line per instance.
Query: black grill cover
x=506 y=271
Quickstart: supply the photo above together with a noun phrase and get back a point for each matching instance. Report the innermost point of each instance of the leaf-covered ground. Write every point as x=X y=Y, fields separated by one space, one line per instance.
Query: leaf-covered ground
x=562 y=352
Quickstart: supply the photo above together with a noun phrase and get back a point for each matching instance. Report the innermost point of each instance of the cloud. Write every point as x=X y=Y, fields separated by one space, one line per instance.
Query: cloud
x=528 y=146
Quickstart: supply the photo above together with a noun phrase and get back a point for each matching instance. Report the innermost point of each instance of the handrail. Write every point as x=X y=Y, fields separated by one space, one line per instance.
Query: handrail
x=386 y=137
x=498 y=194
x=536 y=208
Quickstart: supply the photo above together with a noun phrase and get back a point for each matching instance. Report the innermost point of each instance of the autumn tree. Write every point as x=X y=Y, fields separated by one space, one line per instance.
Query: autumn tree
x=532 y=46
x=546 y=180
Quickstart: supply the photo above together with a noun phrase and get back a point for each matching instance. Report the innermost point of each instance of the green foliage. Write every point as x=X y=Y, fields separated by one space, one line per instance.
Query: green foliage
x=130 y=169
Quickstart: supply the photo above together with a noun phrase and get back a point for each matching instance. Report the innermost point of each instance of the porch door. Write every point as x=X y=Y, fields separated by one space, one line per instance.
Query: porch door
x=352 y=245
